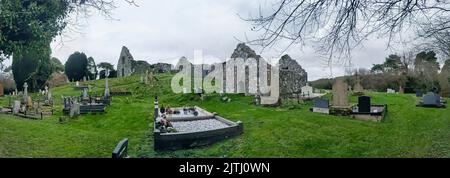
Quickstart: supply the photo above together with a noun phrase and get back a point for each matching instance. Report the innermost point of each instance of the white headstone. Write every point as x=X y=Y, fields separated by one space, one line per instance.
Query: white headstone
x=106 y=87
x=16 y=107
x=390 y=91
x=77 y=84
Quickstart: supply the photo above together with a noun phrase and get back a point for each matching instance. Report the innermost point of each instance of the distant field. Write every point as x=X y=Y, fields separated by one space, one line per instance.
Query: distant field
x=289 y=131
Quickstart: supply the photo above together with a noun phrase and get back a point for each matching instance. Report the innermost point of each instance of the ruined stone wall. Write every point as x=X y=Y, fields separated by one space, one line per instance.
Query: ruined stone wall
x=125 y=63
x=292 y=76
x=162 y=68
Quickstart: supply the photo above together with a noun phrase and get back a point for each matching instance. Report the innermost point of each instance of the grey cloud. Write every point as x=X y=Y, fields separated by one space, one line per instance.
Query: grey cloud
x=163 y=31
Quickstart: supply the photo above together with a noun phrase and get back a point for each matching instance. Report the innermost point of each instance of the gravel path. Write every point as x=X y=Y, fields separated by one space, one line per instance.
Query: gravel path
x=198 y=126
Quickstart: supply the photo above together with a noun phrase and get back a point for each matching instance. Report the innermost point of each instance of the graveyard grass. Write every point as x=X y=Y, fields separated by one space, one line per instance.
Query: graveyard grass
x=288 y=131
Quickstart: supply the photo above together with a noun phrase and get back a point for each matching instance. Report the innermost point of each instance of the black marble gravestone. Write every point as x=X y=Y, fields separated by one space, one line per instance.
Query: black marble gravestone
x=364 y=104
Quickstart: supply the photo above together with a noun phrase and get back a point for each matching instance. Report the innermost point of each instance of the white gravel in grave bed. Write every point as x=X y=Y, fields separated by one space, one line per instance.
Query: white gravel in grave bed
x=198 y=126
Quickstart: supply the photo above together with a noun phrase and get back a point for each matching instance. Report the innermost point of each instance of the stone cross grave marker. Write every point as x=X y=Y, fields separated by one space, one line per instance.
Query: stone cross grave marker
x=358 y=87
x=106 y=87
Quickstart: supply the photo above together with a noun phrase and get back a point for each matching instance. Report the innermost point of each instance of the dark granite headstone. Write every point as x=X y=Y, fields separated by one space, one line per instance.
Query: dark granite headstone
x=320 y=103
x=431 y=99
x=121 y=150
x=364 y=104
x=419 y=94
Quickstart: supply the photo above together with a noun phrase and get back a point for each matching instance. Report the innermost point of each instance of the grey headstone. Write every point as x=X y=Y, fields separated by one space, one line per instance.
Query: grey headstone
x=107 y=94
x=85 y=93
x=74 y=110
x=321 y=103
x=16 y=107
x=25 y=92
x=419 y=94
x=431 y=99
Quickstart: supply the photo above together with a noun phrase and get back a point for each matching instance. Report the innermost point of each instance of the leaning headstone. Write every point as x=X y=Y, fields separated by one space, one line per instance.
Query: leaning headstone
x=340 y=95
x=364 y=104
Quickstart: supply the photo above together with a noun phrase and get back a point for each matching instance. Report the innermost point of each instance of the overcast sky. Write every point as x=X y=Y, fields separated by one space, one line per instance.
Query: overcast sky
x=164 y=31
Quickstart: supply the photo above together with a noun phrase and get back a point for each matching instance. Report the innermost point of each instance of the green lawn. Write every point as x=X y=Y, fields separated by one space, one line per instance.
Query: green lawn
x=408 y=131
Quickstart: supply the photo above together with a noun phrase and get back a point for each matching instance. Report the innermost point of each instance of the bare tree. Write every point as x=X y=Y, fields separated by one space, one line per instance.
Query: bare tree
x=341 y=25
